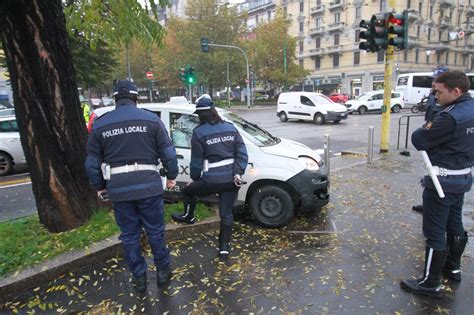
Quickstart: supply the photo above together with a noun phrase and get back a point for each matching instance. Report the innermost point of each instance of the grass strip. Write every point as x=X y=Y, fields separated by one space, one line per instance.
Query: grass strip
x=25 y=242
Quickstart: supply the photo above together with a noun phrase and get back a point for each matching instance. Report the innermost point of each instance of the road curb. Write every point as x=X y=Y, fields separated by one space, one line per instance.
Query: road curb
x=97 y=253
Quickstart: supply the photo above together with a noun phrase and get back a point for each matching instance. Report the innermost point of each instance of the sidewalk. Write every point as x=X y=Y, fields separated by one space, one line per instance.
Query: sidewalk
x=347 y=259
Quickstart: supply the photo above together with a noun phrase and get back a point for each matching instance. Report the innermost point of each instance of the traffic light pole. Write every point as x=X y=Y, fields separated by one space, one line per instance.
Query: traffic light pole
x=248 y=68
x=387 y=95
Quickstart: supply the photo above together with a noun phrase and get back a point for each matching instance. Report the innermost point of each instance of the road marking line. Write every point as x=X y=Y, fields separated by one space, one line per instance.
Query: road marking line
x=15 y=185
x=16 y=181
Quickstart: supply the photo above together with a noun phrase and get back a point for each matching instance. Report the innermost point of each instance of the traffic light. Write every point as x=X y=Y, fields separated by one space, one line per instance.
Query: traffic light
x=398 y=26
x=182 y=74
x=376 y=35
x=204 y=44
x=190 y=77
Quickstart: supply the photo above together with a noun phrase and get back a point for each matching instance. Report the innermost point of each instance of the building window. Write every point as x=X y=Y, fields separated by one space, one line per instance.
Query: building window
x=420 y=7
x=317 y=62
x=301 y=27
x=408 y=4
x=417 y=54
x=427 y=59
x=464 y=60
x=318 y=42
x=319 y=22
x=301 y=47
x=337 y=17
x=301 y=6
x=447 y=58
x=318 y=2
x=429 y=34
x=438 y=58
x=382 y=6
x=431 y=11
x=269 y=15
x=357 y=34
x=336 y=39
x=405 y=55
x=455 y=58
x=356 y=57
x=440 y=34
x=285 y=11
x=358 y=12
x=256 y=19
x=301 y=62
x=380 y=55
x=418 y=30
x=335 y=60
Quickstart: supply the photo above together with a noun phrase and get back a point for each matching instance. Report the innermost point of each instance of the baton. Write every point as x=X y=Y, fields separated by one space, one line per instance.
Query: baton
x=432 y=174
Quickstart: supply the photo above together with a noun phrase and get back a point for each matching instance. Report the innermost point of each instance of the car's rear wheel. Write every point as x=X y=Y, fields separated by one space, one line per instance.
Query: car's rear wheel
x=396 y=108
x=271 y=206
x=283 y=117
x=6 y=164
x=362 y=110
x=319 y=119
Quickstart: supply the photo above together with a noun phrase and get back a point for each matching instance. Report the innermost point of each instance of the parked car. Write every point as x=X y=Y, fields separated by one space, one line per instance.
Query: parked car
x=373 y=101
x=309 y=106
x=7 y=112
x=11 y=151
x=339 y=98
x=282 y=177
x=263 y=97
x=96 y=103
x=107 y=101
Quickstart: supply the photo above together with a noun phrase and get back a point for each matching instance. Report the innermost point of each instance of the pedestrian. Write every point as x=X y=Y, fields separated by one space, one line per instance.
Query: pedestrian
x=449 y=143
x=431 y=111
x=123 y=153
x=218 y=160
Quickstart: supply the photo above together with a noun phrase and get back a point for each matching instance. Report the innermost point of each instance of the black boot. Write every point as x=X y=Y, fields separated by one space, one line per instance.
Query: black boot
x=188 y=215
x=164 y=275
x=418 y=208
x=456 y=246
x=430 y=283
x=224 y=241
x=140 y=283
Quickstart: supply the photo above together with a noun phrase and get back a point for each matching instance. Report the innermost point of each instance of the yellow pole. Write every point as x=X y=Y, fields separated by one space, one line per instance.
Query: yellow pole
x=387 y=94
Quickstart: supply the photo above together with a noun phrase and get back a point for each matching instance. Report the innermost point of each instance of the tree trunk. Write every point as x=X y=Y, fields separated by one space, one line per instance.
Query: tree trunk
x=47 y=108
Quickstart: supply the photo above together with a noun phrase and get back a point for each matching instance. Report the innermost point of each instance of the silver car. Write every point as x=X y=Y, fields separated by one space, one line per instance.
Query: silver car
x=11 y=151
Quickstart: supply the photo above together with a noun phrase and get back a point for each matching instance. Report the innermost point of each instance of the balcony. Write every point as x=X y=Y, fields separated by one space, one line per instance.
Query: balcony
x=470 y=10
x=445 y=22
x=339 y=26
x=316 y=52
x=446 y=3
x=334 y=49
x=317 y=30
x=335 y=5
x=317 y=10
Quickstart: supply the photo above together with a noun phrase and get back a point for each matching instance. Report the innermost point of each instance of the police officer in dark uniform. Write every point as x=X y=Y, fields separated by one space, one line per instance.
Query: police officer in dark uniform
x=123 y=153
x=449 y=143
x=218 y=160
x=431 y=111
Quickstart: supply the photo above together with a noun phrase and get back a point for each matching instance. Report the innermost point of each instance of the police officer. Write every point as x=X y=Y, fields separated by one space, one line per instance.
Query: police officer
x=123 y=153
x=218 y=160
x=449 y=143
x=431 y=111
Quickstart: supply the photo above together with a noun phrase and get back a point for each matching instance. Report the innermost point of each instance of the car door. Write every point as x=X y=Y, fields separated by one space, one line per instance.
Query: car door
x=305 y=108
x=181 y=131
x=373 y=102
x=10 y=140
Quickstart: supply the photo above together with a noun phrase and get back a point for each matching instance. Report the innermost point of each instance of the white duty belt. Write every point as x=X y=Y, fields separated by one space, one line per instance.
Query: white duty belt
x=133 y=168
x=439 y=171
x=206 y=165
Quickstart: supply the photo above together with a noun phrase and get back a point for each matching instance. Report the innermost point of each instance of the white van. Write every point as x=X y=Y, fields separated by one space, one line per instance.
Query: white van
x=309 y=106
x=373 y=101
x=282 y=176
x=415 y=86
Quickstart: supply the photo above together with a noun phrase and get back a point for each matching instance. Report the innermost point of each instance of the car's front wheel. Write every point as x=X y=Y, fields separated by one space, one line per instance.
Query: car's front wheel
x=319 y=119
x=6 y=164
x=362 y=110
x=271 y=206
x=283 y=117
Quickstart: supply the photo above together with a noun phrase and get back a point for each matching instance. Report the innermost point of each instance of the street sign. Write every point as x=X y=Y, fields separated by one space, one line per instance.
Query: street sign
x=461 y=34
x=149 y=75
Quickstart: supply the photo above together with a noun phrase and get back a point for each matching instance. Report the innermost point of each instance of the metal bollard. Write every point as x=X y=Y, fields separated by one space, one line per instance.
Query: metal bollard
x=327 y=158
x=370 y=148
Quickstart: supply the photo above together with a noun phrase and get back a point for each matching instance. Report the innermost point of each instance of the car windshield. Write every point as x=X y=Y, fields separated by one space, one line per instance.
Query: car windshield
x=364 y=96
x=261 y=136
x=321 y=99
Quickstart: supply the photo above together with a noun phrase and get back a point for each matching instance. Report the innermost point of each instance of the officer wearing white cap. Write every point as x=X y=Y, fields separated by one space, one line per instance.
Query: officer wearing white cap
x=218 y=160
x=123 y=154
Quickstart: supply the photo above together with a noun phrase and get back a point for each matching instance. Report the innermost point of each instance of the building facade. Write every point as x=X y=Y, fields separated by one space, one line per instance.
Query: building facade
x=441 y=34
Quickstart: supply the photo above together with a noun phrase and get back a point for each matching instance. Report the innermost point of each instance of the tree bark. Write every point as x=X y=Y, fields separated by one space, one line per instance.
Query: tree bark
x=52 y=130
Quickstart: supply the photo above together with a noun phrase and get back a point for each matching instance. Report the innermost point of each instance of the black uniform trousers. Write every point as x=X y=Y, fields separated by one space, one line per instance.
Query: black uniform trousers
x=441 y=216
